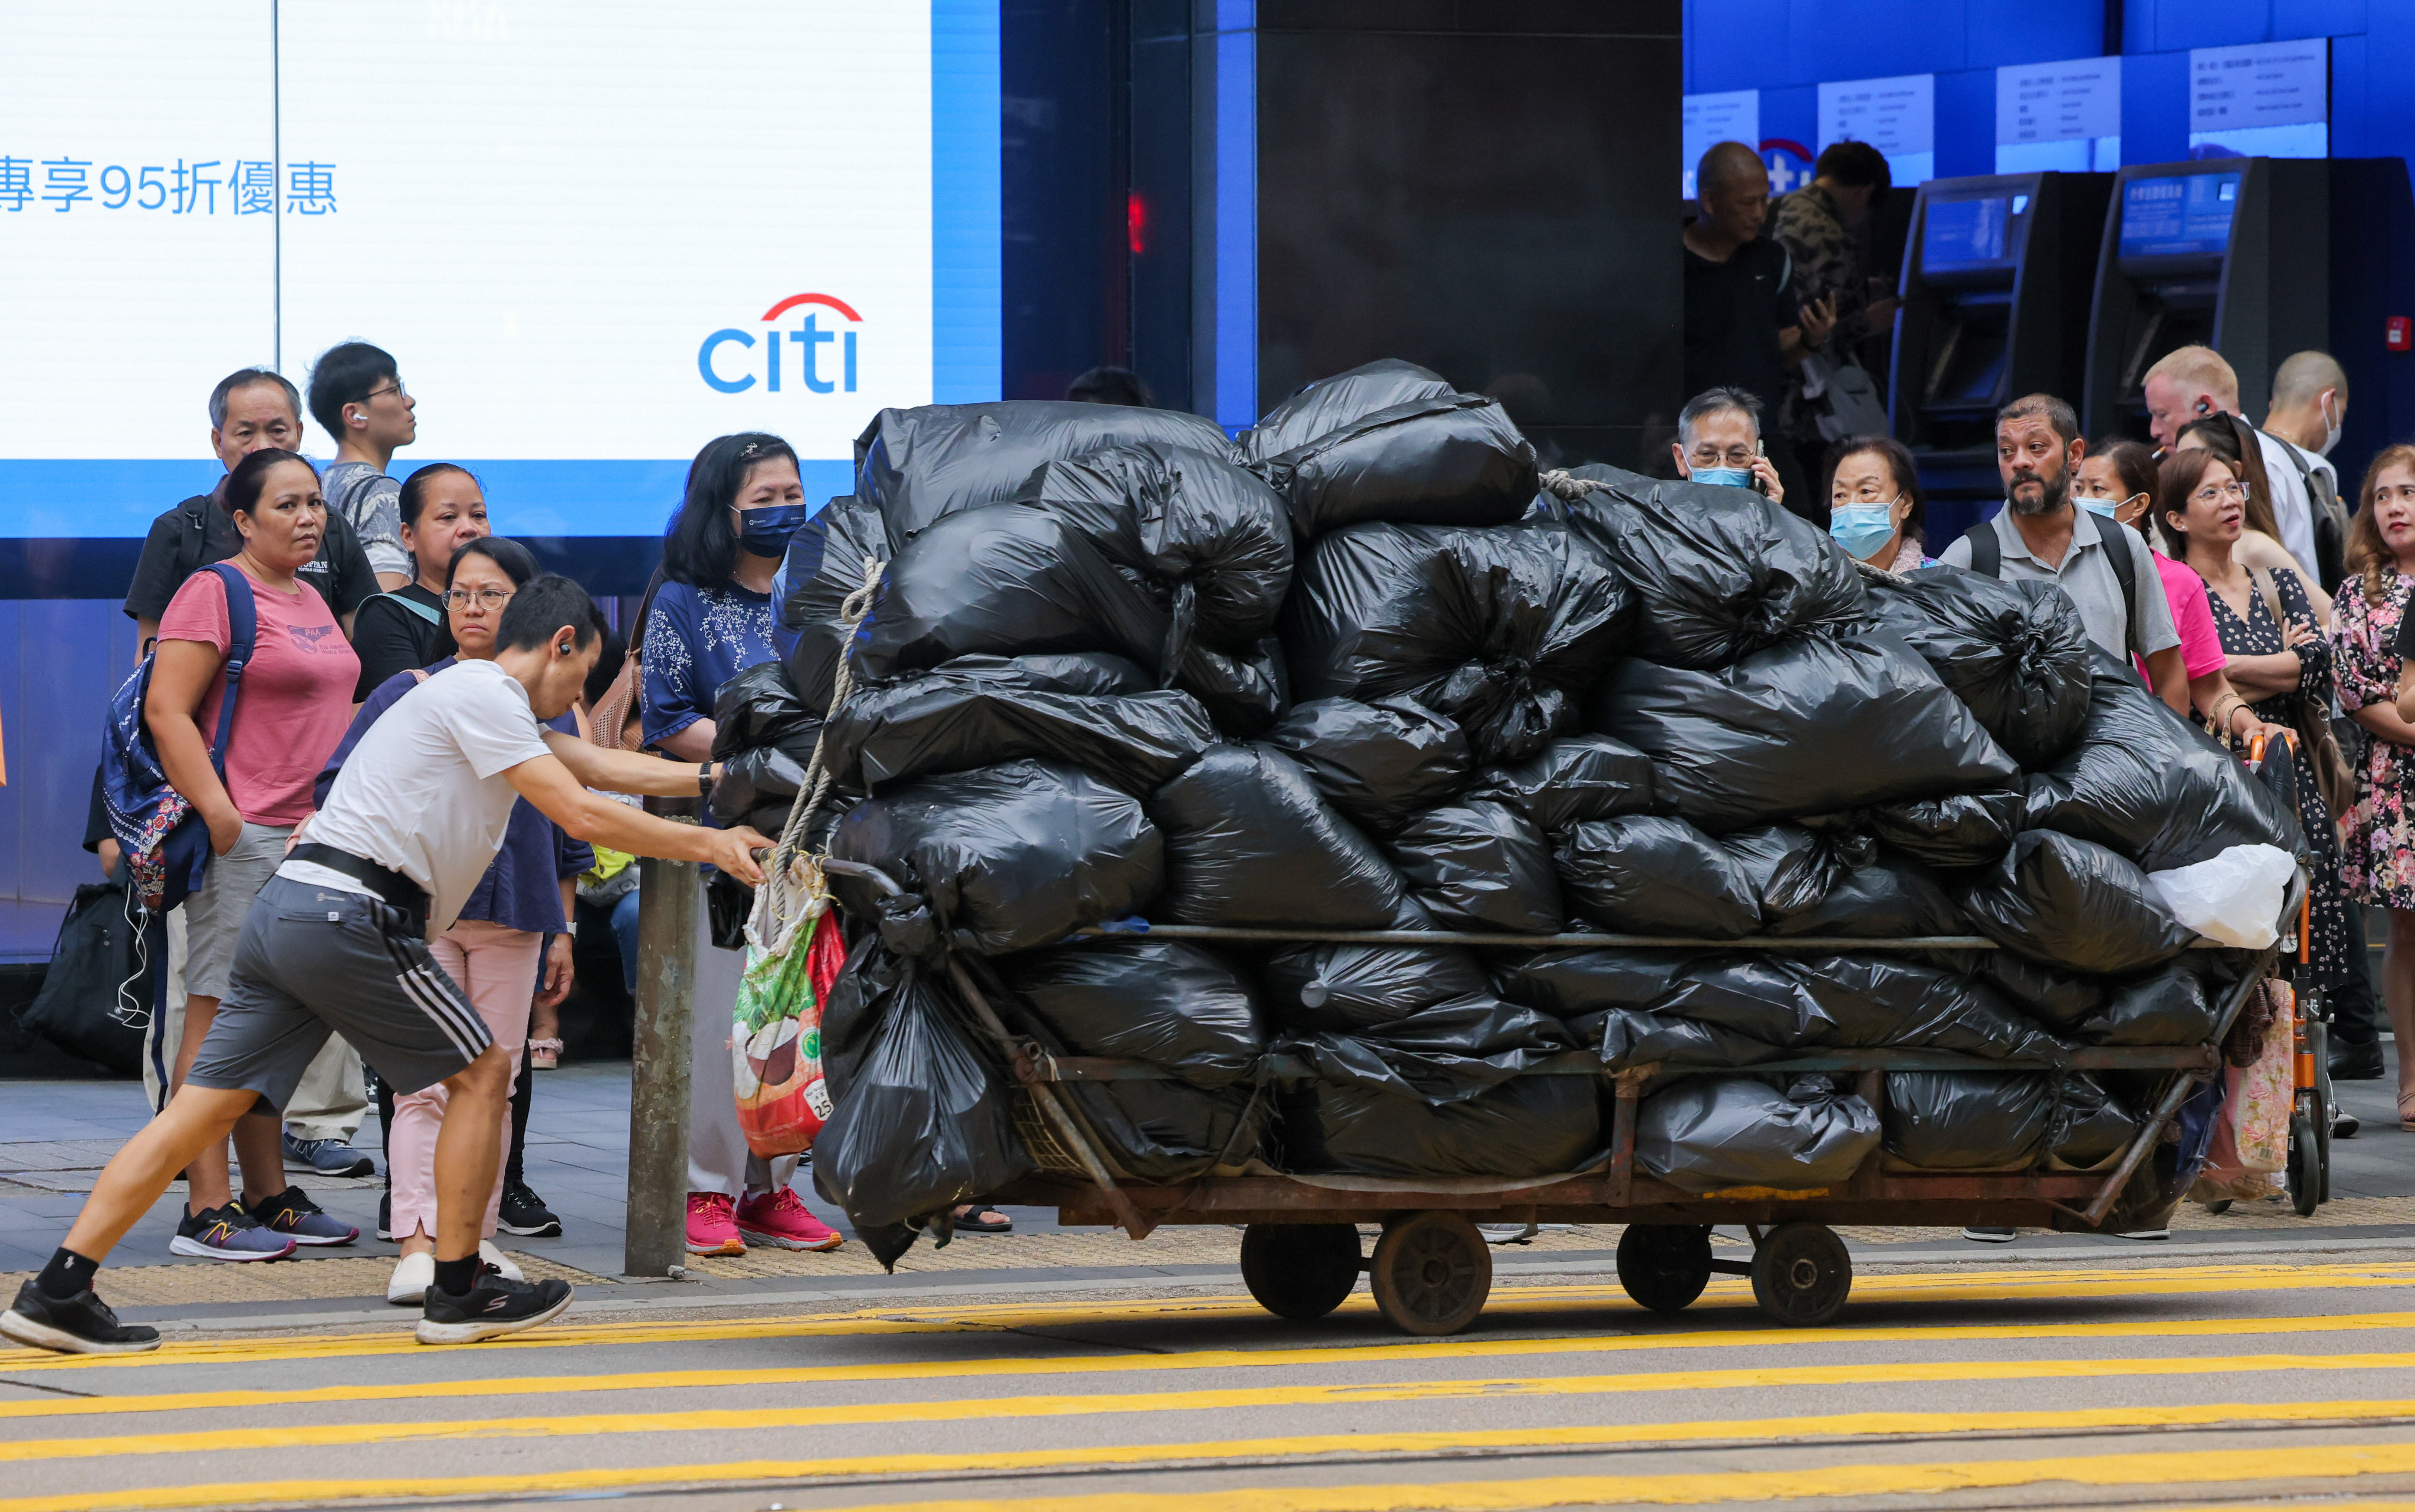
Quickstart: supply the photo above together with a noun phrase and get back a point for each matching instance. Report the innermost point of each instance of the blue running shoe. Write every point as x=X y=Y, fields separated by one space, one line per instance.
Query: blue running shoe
x=293 y=1213
x=228 y=1234
x=326 y=1158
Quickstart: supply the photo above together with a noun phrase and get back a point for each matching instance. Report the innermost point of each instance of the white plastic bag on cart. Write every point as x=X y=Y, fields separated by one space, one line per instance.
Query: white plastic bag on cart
x=2234 y=898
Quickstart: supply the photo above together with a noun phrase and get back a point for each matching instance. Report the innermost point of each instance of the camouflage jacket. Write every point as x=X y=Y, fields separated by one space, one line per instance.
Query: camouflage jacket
x=1828 y=259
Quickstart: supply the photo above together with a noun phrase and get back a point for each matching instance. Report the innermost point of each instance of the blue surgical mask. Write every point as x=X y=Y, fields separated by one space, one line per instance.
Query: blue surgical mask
x=1728 y=477
x=2095 y=506
x=1862 y=528
x=765 y=531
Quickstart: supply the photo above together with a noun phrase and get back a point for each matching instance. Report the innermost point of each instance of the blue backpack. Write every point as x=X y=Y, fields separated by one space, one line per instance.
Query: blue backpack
x=166 y=845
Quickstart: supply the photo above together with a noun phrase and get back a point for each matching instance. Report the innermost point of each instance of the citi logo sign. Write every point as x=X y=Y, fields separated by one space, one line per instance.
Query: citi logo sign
x=807 y=361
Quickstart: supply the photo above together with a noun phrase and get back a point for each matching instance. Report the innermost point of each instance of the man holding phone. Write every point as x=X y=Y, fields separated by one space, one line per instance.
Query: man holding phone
x=1718 y=441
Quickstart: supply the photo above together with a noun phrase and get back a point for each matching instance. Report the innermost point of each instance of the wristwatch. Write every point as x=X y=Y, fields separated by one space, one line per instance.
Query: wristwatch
x=704 y=779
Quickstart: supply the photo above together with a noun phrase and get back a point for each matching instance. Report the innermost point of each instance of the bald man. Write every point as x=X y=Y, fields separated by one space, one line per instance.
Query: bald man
x=1744 y=328
x=2309 y=406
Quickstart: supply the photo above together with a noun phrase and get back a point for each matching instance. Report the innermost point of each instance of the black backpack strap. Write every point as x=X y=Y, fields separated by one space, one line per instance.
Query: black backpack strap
x=1986 y=553
x=2116 y=541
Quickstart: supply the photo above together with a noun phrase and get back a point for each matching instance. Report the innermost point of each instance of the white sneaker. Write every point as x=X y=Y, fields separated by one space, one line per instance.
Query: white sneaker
x=408 y=1287
x=1990 y=1236
x=1506 y=1232
x=493 y=1256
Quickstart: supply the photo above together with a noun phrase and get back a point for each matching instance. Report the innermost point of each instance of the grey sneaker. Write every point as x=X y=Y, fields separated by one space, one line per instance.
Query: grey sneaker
x=228 y=1232
x=326 y=1158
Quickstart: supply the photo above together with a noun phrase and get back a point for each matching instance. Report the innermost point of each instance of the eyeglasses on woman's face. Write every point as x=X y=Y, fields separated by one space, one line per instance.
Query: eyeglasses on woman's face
x=490 y=599
x=2216 y=493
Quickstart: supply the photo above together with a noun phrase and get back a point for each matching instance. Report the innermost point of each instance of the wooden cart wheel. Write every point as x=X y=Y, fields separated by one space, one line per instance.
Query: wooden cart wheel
x=1664 y=1266
x=1300 y=1270
x=1800 y=1274
x=1431 y=1272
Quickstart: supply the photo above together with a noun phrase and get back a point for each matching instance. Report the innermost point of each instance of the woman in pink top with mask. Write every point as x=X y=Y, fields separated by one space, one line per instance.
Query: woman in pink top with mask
x=2117 y=481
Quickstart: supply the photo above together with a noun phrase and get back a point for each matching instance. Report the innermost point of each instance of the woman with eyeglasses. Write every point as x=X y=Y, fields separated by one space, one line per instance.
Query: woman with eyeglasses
x=2276 y=657
x=497 y=948
x=2232 y=440
x=2370 y=636
x=443 y=509
x=2117 y=480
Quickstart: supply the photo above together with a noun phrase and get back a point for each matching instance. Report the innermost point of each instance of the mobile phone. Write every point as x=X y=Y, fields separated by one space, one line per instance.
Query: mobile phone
x=1754 y=481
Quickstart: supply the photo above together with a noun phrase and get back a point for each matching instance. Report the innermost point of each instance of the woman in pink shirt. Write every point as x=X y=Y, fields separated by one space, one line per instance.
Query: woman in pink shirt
x=2117 y=481
x=293 y=703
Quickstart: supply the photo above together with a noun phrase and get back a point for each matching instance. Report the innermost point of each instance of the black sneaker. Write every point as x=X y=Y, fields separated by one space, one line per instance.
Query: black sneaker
x=524 y=1212
x=228 y=1232
x=82 y=1324
x=494 y=1307
x=386 y=1216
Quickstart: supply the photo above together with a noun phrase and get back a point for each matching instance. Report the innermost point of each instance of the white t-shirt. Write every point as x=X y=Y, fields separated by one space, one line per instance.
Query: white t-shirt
x=2291 y=509
x=424 y=792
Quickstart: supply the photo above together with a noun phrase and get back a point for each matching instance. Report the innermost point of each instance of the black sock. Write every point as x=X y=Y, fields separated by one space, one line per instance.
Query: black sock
x=455 y=1277
x=67 y=1274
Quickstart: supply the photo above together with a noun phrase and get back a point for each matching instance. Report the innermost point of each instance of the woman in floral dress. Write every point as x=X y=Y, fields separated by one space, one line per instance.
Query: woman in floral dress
x=2378 y=861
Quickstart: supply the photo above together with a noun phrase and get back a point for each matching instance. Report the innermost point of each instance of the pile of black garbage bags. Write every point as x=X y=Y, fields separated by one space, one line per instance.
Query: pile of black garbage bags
x=1356 y=672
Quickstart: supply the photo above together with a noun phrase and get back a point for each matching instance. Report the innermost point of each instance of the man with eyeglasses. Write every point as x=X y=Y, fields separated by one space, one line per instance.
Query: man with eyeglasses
x=356 y=396
x=1718 y=441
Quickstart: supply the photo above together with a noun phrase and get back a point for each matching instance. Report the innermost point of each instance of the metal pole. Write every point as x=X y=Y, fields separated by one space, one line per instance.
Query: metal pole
x=669 y=896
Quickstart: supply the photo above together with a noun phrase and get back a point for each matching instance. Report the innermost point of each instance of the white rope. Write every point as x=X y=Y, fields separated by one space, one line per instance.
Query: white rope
x=1566 y=486
x=792 y=884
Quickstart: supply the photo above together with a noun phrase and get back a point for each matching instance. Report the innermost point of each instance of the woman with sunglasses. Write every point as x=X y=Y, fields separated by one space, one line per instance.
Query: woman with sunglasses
x=497 y=948
x=2277 y=656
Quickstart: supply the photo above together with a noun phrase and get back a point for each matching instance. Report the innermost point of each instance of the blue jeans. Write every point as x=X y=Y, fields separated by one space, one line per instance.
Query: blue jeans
x=625 y=933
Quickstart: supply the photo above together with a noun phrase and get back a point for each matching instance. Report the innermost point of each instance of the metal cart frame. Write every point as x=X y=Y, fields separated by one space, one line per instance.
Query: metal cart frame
x=1431 y=1270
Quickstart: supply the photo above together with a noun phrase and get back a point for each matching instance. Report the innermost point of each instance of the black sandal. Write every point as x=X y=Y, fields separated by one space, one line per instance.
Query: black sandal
x=974 y=1218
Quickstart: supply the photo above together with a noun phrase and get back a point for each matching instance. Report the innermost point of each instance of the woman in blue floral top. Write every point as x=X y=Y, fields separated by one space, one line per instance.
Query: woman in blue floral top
x=712 y=620
x=2378 y=859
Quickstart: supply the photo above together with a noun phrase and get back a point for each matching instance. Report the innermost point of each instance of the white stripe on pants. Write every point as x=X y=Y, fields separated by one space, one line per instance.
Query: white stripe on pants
x=717 y=1156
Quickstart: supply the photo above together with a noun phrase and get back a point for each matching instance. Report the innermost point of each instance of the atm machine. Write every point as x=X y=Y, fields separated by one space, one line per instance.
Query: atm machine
x=2232 y=253
x=1993 y=285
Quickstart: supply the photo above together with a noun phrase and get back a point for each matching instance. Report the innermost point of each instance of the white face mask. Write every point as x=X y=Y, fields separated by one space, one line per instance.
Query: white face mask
x=2330 y=428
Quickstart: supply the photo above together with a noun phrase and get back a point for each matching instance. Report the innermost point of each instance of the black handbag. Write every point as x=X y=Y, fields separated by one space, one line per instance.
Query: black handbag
x=95 y=999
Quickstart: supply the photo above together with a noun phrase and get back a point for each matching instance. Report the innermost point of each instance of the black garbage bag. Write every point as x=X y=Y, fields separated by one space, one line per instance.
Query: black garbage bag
x=1318 y=409
x=1347 y=988
x=1454 y=1049
x=1717 y=573
x=919 y=1120
x=1479 y=865
x=1212 y=533
x=1708 y=1133
x=1857 y=1002
x=1811 y=727
x=1378 y=763
x=1018 y=579
x=758 y=781
x=1976 y=1120
x=760 y=707
x=1456 y=460
x=825 y=565
x=2145 y=781
x=1792 y=868
x=959 y=717
x=1571 y=984
x=916 y=466
x=1250 y=845
x=2178 y=1005
x=2016 y=652
x=1009 y=856
x=2075 y=905
x=1502 y=630
x=1574 y=779
x=1647 y=874
x=2061 y=1000
x=1173 y=1005
x=1891 y=897
x=1533 y=1126
x=1957 y=831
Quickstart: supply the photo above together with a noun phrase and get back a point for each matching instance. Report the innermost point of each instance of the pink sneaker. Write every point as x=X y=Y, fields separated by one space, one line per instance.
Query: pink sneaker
x=710 y=1232
x=781 y=1219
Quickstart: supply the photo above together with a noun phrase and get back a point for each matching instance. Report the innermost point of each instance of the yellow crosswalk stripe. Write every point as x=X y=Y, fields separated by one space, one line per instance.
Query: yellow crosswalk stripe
x=1878 y=1373
x=2036 y=1284
x=1845 y=1425
x=2227 y=1466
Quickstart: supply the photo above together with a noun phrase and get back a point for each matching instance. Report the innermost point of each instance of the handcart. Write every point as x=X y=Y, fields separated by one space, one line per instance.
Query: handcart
x=1431 y=1270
